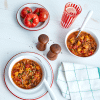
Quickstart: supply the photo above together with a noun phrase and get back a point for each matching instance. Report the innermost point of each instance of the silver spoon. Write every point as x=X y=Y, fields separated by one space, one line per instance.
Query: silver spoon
x=85 y=21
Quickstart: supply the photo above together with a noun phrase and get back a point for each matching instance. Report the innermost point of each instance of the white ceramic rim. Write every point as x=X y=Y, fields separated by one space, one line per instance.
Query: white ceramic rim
x=33 y=6
x=39 y=94
x=88 y=31
x=31 y=58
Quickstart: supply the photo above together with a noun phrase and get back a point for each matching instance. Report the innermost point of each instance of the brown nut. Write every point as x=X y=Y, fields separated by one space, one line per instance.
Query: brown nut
x=42 y=41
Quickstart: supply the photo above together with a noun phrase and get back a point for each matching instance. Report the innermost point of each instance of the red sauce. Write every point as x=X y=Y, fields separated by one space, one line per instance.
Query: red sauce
x=26 y=74
x=83 y=46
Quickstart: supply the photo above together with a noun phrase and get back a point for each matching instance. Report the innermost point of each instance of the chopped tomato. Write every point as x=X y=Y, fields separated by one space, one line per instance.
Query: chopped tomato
x=27 y=65
x=75 y=47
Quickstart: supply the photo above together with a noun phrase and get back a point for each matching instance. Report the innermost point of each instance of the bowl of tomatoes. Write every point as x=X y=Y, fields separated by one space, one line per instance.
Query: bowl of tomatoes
x=32 y=16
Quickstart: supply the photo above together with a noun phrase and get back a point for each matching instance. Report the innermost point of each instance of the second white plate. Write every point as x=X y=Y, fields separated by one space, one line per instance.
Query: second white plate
x=41 y=91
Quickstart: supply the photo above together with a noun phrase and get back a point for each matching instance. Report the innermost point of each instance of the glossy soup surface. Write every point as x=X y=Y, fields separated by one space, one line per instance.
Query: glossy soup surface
x=83 y=46
x=26 y=74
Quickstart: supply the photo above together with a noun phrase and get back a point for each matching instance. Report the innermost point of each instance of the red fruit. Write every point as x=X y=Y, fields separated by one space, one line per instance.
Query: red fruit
x=42 y=13
x=25 y=11
x=31 y=20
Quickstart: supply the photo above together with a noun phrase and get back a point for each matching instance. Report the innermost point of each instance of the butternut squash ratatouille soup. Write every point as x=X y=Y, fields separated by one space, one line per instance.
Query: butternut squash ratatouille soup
x=26 y=74
x=83 y=46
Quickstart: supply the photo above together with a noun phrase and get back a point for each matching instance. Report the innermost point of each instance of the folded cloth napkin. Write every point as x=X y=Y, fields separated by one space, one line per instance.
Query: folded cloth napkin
x=79 y=82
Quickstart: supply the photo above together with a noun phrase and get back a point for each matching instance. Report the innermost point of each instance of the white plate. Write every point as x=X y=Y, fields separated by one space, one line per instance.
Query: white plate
x=41 y=91
x=33 y=6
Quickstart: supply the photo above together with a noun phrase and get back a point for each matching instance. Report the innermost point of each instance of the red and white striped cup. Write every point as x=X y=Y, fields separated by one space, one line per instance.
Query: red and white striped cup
x=71 y=11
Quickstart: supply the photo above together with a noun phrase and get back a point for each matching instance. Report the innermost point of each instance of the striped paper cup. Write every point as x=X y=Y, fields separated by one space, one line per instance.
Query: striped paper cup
x=71 y=11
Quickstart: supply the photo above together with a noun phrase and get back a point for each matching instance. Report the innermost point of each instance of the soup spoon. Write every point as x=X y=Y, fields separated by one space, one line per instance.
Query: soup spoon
x=85 y=21
x=49 y=90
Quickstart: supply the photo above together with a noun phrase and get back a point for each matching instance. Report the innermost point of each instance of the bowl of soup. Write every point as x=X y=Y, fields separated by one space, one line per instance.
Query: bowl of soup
x=26 y=73
x=85 y=45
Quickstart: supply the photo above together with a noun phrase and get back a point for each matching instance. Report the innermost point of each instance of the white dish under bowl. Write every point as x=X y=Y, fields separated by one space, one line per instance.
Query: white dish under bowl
x=88 y=31
x=31 y=58
x=42 y=90
x=33 y=6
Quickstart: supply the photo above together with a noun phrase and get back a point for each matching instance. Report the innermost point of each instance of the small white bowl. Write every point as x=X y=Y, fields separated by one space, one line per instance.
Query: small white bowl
x=33 y=6
x=88 y=31
x=31 y=58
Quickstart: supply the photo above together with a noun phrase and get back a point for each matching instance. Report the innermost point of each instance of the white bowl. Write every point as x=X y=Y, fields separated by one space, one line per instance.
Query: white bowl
x=33 y=6
x=88 y=31
x=31 y=58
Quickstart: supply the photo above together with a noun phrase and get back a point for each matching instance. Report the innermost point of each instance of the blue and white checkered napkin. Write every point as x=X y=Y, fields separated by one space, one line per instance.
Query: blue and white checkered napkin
x=79 y=82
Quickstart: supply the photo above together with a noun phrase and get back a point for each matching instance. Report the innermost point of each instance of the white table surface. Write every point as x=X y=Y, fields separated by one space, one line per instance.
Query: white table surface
x=14 y=39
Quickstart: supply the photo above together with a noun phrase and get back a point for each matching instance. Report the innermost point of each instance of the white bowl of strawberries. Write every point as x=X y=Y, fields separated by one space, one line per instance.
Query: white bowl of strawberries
x=32 y=16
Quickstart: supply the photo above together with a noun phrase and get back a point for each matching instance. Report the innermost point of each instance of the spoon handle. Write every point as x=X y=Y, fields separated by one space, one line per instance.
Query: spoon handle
x=49 y=90
x=85 y=21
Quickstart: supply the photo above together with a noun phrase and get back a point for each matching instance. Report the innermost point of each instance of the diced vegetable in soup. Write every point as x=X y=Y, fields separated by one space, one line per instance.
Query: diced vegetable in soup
x=83 y=46
x=26 y=74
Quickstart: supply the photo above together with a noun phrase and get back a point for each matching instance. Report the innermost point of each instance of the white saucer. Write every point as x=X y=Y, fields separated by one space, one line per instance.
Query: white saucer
x=41 y=91
x=33 y=6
